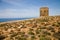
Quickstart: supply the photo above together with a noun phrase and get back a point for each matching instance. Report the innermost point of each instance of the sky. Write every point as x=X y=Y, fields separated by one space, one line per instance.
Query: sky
x=27 y=8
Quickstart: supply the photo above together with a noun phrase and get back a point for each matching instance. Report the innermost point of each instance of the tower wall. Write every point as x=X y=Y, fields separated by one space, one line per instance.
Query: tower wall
x=44 y=11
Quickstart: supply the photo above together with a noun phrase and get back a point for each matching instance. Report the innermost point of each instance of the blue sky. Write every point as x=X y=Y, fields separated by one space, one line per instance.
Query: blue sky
x=27 y=8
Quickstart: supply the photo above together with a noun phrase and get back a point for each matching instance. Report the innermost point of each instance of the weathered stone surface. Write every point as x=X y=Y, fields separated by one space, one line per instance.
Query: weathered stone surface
x=44 y=11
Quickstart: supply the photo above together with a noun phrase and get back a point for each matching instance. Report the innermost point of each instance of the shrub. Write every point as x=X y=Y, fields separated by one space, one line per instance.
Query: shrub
x=38 y=31
x=50 y=28
x=44 y=20
x=22 y=33
x=57 y=35
x=20 y=38
x=44 y=38
x=33 y=37
x=38 y=35
x=30 y=33
x=46 y=33
x=30 y=29
x=13 y=34
x=42 y=27
x=2 y=37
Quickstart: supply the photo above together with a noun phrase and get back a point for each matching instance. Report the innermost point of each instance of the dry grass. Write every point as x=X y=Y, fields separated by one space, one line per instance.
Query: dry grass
x=43 y=28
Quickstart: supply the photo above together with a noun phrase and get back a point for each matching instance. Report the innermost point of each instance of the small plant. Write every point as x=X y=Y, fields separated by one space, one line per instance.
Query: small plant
x=2 y=25
x=38 y=31
x=30 y=29
x=13 y=34
x=58 y=23
x=31 y=33
x=57 y=35
x=46 y=33
x=33 y=37
x=43 y=27
x=38 y=35
x=44 y=38
x=44 y=20
x=21 y=38
x=50 y=28
x=2 y=37
x=22 y=33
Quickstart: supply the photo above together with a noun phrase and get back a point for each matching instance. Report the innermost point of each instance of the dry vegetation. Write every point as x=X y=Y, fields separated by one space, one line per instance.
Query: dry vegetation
x=43 y=28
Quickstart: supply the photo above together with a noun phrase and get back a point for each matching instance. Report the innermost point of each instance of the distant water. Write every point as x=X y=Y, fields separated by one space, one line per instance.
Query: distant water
x=11 y=19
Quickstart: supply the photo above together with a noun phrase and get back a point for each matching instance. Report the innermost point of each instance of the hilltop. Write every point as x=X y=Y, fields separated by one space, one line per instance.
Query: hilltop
x=42 y=28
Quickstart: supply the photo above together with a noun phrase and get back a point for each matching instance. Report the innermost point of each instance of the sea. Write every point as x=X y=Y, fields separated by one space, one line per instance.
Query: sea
x=11 y=19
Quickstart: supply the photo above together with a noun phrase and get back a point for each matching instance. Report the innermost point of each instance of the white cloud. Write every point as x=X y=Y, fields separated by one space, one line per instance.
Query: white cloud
x=30 y=11
x=10 y=13
x=15 y=2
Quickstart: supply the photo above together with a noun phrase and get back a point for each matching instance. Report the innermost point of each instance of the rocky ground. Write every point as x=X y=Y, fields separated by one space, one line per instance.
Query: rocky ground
x=43 y=28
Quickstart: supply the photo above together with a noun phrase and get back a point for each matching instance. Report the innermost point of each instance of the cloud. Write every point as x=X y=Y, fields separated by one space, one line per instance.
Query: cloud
x=17 y=13
x=23 y=11
x=15 y=2
x=25 y=8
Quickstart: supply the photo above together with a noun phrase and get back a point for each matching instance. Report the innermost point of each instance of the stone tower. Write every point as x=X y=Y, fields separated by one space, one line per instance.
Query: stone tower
x=44 y=11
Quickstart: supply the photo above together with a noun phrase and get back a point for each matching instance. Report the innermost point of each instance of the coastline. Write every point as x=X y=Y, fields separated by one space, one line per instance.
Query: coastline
x=42 y=17
x=16 y=21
